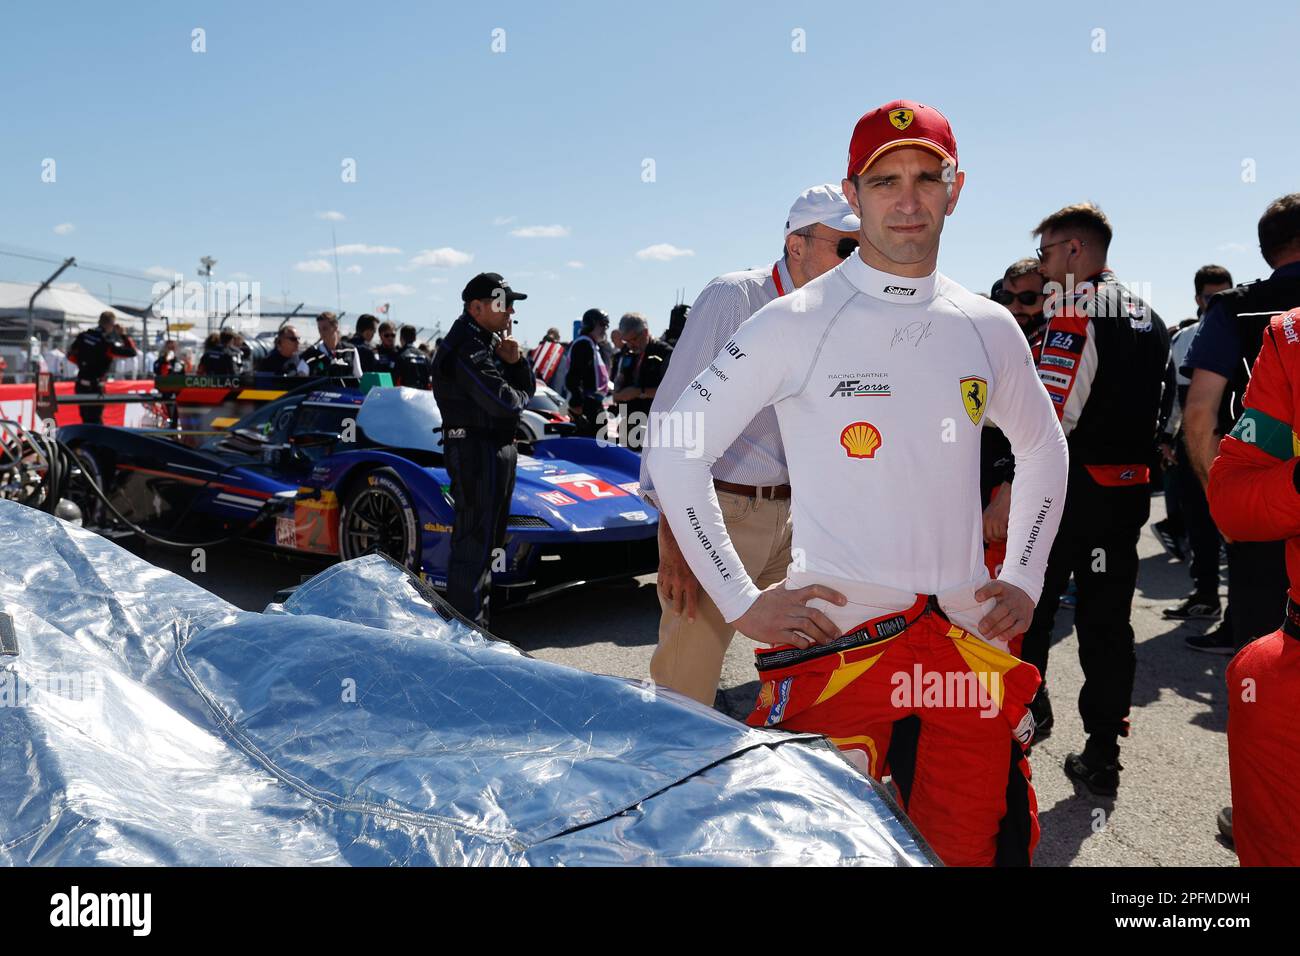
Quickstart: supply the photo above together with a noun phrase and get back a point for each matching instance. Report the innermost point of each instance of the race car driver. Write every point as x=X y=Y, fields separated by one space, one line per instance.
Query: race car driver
x=1104 y=359
x=1254 y=494
x=481 y=384
x=887 y=594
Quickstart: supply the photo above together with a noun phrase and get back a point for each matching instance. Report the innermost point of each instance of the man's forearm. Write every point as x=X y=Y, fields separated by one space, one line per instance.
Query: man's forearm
x=1201 y=419
x=668 y=544
x=1202 y=441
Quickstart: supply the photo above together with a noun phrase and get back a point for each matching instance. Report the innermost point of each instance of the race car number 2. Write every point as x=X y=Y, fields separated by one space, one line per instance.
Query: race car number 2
x=586 y=487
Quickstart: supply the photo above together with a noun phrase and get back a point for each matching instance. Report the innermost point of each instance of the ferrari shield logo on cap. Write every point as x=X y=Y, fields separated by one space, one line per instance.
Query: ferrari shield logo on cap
x=901 y=118
x=974 y=393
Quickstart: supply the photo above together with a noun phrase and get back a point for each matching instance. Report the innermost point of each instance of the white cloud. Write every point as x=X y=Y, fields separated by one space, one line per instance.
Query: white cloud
x=352 y=270
x=359 y=249
x=331 y=215
x=504 y=220
x=1233 y=247
x=64 y=228
x=313 y=265
x=575 y=264
x=438 y=279
x=540 y=232
x=240 y=275
x=662 y=252
x=444 y=257
x=393 y=288
x=158 y=272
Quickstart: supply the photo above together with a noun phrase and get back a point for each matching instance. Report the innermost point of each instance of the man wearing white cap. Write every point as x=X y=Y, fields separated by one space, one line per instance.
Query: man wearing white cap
x=750 y=478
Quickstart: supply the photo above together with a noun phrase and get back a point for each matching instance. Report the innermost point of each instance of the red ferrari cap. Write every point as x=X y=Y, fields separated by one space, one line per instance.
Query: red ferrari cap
x=900 y=123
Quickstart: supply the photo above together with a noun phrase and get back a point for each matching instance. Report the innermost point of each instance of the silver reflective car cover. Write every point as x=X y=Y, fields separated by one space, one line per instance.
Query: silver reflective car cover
x=146 y=721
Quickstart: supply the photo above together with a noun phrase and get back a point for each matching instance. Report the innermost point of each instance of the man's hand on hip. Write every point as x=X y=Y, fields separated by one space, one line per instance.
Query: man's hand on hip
x=782 y=616
x=677 y=582
x=1011 y=614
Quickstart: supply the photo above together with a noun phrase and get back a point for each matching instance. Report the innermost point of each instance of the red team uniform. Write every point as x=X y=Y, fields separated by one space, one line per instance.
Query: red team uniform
x=1254 y=495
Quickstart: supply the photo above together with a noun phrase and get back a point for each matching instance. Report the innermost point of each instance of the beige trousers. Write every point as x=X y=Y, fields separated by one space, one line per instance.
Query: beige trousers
x=689 y=656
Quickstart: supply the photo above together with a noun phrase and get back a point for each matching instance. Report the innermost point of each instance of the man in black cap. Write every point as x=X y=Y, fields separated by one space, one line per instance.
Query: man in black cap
x=588 y=377
x=481 y=384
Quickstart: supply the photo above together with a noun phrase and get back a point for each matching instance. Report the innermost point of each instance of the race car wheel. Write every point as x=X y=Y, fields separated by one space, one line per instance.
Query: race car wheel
x=379 y=516
x=93 y=512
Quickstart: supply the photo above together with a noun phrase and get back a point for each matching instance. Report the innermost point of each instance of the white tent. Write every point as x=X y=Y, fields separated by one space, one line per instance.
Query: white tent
x=65 y=305
x=59 y=313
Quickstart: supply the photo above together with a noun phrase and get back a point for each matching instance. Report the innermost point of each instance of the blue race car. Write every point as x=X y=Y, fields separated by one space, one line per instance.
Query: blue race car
x=333 y=470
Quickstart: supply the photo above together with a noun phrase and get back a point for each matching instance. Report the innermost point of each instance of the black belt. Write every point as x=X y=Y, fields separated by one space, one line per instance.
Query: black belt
x=1291 y=622
x=871 y=632
x=469 y=431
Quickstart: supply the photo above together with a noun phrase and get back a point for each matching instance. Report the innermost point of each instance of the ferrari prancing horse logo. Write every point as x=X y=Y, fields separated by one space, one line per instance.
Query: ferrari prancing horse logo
x=901 y=118
x=974 y=394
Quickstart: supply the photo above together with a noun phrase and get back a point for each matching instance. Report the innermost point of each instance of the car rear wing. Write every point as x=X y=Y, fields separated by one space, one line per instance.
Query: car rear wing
x=207 y=404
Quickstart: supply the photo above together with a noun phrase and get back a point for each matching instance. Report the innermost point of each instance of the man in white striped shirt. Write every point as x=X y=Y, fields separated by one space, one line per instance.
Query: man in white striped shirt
x=751 y=480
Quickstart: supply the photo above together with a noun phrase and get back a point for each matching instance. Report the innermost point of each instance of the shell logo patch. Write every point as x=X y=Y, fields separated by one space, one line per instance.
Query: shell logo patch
x=767 y=695
x=777 y=713
x=861 y=440
x=901 y=118
x=974 y=395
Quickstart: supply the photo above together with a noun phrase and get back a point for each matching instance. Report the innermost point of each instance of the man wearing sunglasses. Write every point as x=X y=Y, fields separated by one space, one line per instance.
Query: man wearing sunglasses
x=1105 y=353
x=749 y=478
x=1021 y=292
x=284 y=358
x=386 y=354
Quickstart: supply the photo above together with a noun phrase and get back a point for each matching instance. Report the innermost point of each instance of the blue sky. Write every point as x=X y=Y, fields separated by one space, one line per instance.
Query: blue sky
x=164 y=154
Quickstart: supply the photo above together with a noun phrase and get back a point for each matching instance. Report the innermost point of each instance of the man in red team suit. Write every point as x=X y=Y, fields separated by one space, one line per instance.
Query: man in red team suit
x=1254 y=495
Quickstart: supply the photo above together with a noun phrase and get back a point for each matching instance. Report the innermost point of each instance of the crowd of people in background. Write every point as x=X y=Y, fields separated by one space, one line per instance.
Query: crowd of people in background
x=375 y=346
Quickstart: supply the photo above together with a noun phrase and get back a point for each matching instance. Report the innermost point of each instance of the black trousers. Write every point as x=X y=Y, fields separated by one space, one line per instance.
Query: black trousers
x=482 y=483
x=1201 y=531
x=90 y=414
x=1257 y=585
x=1097 y=543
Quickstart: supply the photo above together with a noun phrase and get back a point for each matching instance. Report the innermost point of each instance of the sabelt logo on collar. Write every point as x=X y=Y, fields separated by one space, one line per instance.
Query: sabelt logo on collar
x=899 y=290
